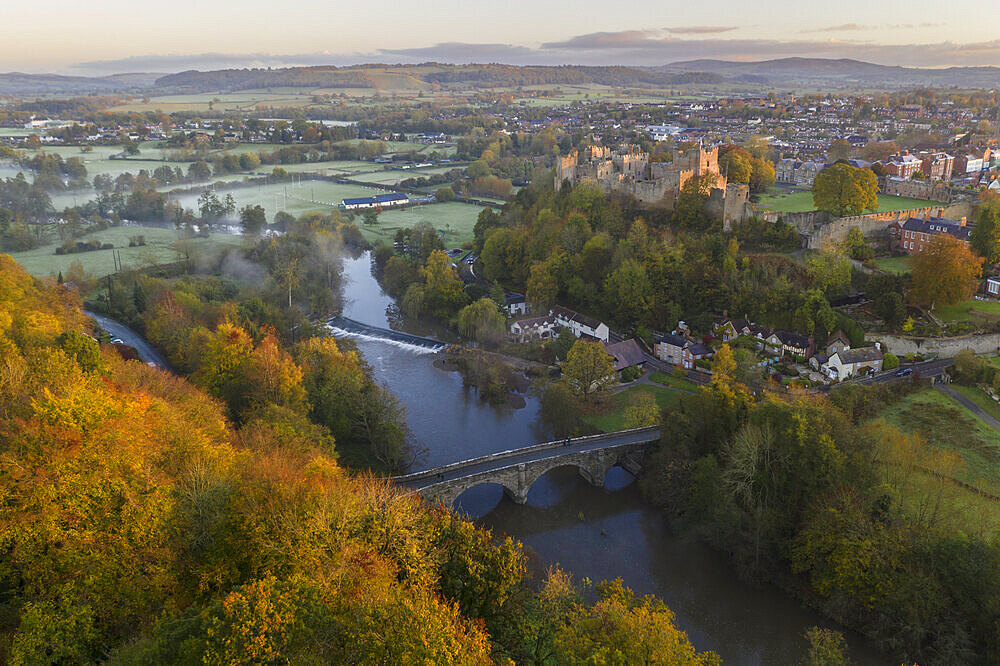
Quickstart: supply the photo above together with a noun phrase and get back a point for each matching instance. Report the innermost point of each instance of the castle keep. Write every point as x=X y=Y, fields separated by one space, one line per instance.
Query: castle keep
x=628 y=170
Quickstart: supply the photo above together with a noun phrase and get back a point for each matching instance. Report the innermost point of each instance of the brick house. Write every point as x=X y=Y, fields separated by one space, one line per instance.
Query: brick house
x=903 y=165
x=915 y=234
x=936 y=165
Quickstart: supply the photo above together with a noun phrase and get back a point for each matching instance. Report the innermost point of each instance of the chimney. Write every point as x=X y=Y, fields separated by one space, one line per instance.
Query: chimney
x=940 y=212
x=927 y=214
x=962 y=220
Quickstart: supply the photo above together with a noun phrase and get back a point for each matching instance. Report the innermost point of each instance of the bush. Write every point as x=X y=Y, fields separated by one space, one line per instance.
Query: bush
x=890 y=361
x=630 y=373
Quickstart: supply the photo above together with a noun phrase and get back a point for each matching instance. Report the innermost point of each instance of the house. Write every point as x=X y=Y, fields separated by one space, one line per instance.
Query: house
x=627 y=354
x=727 y=329
x=673 y=349
x=903 y=165
x=535 y=328
x=993 y=286
x=837 y=342
x=580 y=324
x=915 y=234
x=936 y=165
x=515 y=303
x=794 y=344
x=850 y=362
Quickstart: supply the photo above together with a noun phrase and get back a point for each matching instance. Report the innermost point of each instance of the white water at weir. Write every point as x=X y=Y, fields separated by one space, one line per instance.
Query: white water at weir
x=416 y=349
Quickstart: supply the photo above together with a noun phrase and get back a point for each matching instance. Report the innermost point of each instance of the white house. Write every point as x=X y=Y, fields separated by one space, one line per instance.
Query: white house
x=849 y=362
x=993 y=286
x=536 y=328
x=515 y=303
x=580 y=324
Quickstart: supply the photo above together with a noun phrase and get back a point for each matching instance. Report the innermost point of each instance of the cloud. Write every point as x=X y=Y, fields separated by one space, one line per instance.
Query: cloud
x=701 y=29
x=462 y=52
x=846 y=27
x=207 y=61
x=626 y=39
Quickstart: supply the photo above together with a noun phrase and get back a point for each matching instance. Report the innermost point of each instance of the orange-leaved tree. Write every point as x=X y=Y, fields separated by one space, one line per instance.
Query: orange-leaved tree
x=946 y=272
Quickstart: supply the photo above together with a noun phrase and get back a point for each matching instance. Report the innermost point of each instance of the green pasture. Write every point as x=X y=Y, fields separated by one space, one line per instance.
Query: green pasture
x=454 y=219
x=44 y=262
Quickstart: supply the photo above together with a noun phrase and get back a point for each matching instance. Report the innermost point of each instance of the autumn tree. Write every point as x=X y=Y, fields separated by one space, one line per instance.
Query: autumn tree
x=442 y=288
x=843 y=190
x=946 y=272
x=542 y=288
x=642 y=411
x=588 y=367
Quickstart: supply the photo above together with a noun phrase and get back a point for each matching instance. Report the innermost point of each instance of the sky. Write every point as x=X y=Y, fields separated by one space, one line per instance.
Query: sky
x=112 y=36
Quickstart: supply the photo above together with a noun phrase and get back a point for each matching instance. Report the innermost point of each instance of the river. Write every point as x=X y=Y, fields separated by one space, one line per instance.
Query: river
x=595 y=533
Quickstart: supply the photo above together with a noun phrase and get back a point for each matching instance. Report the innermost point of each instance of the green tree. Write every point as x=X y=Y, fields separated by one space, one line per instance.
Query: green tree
x=826 y=648
x=985 y=235
x=482 y=321
x=737 y=165
x=253 y=219
x=444 y=194
x=370 y=217
x=442 y=288
x=542 y=288
x=762 y=175
x=627 y=293
x=843 y=190
x=560 y=409
x=588 y=367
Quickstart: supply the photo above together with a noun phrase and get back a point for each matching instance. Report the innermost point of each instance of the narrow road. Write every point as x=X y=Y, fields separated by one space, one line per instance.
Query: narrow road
x=961 y=399
x=116 y=330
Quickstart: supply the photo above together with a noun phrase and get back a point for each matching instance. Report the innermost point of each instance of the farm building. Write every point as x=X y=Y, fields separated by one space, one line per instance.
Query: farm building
x=377 y=201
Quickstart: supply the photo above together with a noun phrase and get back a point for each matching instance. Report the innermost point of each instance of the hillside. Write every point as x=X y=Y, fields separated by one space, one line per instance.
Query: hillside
x=141 y=525
x=803 y=70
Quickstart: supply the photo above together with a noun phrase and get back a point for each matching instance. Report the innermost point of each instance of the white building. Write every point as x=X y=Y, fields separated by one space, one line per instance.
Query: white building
x=850 y=362
x=580 y=324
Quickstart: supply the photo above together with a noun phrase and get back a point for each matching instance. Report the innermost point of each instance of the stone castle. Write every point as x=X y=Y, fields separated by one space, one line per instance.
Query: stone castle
x=628 y=170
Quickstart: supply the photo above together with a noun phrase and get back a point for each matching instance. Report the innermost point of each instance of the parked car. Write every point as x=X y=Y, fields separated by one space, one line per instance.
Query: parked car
x=903 y=372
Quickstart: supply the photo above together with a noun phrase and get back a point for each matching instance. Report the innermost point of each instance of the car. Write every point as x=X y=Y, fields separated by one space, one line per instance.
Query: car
x=903 y=372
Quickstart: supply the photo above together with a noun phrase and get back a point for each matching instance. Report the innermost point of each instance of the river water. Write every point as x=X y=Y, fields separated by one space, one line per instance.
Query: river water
x=595 y=533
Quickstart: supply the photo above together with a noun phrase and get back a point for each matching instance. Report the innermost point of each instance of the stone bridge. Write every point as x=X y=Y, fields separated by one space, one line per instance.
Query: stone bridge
x=517 y=469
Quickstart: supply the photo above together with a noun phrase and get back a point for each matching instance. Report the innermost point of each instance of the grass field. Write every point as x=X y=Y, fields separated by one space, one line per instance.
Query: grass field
x=800 y=201
x=673 y=382
x=949 y=427
x=609 y=416
x=963 y=311
x=456 y=221
x=897 y=265
x=291 y=198
x=43 y=262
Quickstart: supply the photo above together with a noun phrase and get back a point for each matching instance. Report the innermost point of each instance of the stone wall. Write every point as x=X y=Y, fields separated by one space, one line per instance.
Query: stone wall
x=918 y=189
x=979 y=343
x=820 y=229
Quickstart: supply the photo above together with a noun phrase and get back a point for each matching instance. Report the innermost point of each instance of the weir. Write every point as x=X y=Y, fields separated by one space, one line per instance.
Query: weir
x=347 y=326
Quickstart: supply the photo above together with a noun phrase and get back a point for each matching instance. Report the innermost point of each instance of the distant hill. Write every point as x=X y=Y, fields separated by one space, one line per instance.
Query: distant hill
x=388 y=77
x=845 y=70
x=782 y=72
x=17 y=83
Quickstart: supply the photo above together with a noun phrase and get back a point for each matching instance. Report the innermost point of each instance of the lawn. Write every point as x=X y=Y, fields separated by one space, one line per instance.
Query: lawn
x=43 y=262
x=982 y=400
x=800 y=201
x=673 y=382
x=609 y=415
x=897 y=265
x=964 y=311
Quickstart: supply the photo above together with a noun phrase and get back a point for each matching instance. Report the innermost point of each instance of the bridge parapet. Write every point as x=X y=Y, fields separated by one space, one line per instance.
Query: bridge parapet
x=517 y=478
x=557 y=445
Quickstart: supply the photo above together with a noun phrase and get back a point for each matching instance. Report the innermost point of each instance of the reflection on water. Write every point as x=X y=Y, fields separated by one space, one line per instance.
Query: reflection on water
x=595 y=533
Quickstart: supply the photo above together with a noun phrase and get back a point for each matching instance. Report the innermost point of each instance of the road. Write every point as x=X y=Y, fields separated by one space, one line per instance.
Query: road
x=528 y=454
x=146 y=351
x=961 y=399
x=925 y=369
